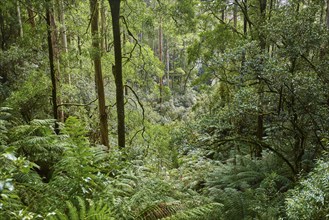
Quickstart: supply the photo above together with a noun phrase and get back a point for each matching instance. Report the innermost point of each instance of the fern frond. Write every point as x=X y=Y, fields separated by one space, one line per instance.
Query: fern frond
x=198 y=213
x=72 y=210
x=91 y=210
x=42 y=122
x=61 y=216
x=82 y=208
x=160 y=210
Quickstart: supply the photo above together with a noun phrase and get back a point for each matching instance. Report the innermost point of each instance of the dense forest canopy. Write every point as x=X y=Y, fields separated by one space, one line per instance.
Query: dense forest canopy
x=164 y=109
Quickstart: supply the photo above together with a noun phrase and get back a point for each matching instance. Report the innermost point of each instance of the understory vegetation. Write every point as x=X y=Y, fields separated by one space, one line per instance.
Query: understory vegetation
x=185 y=110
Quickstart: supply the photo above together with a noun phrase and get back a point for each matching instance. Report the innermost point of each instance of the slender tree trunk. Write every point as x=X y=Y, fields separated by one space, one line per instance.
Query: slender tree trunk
x=260 y=116
x=327 y=16
x=19 y=19
x=160 y=58
x=30 y=13
x=2 y=34
x=235 y=15
x=115 y=13
x=223 y=13
x=168 y=65
x=245 y=21
x=103 y=26
x=62 y=30
x=80 y=51
x=245 y=28
x=63 y=46
x=96 y=56
x=51 y=32
x=262 y=4
x=323 y=10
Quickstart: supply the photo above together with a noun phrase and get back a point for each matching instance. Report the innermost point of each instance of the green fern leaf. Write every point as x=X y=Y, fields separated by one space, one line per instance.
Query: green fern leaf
x=73 y=212
x=82 y=208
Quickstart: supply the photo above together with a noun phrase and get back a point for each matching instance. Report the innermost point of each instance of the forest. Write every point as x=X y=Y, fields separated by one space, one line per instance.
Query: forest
x=164 y=109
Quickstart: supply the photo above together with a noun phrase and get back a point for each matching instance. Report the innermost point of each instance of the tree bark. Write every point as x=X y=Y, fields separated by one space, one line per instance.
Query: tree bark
x=19 y=19
x=103 y=26
x=235 y=15
x=327 y=16
x=262 y=5
x=62 y=30
x=51 y=33
x=30 y=13
x=115 y=13
x=168 y=65
x=96 y=56
x=260 y=117
x=160 y=58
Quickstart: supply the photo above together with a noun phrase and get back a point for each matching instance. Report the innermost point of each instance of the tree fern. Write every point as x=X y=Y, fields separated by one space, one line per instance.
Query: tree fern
x=4 y=124
x=81 y=209
x=208 y=211
x=37 y=142
x=160 y=210
x=248 y=188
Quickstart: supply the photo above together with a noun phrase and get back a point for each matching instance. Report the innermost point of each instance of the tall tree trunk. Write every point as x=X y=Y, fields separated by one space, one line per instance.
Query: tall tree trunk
x=168 y=65
x=96 y=56
x=2 y=34
x=327 y=16
x=79 y=51
x=63 y=46
x=245 y=28
x=260 y=116
x=30 y=13
x=262 y=5
x=62 y=30
x=103 y=26
x=223 y=13
x=235 y=15
x=52 y=49
x=19 y=19
x=160 y=58
x=115 y=13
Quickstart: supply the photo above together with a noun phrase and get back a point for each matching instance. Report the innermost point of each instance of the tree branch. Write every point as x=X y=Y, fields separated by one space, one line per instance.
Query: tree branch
x=77 y=104
x=143 y=114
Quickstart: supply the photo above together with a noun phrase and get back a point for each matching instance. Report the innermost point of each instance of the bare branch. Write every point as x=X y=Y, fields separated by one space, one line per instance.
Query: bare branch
x=77 y=104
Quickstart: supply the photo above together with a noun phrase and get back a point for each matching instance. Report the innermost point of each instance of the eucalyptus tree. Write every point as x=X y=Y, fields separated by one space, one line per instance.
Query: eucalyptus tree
x=96 y=56
x=117 y=71
x=53 y=60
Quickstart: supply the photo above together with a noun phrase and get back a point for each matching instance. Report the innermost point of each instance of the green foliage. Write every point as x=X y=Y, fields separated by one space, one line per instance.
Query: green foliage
x=81 y=209
x=243 y=112
x=248 y=189
x=30 y=100
x=13 y=165
x=309 y=199
x=208 y=211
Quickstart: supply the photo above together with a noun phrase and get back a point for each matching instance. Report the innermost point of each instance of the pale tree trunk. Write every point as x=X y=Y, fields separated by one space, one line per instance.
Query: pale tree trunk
x=53 y=51
x=235 y=15
x=19 y=19
x=103 y=27
x=63 y=47
x=160 y=58
x=62 y=30
x=96 y=56
x=168 y=65
x=115 y=14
